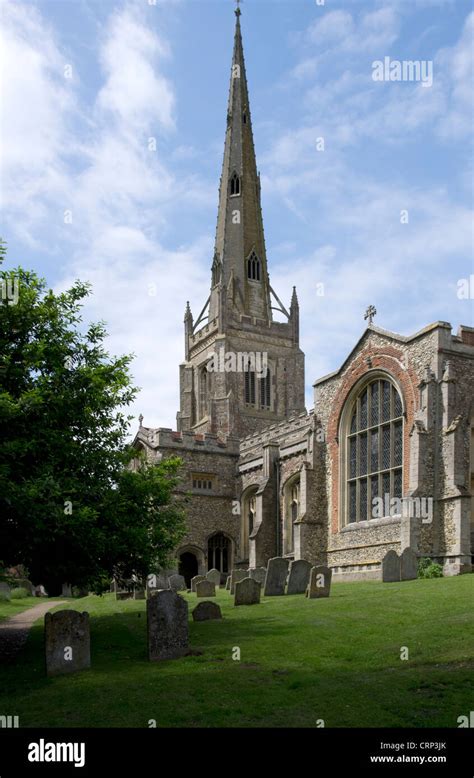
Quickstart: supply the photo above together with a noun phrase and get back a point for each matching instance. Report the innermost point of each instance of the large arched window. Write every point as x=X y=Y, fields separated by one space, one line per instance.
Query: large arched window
x=292 y=512
x=219 y=553
x=234 y=184
x=203 y=392
x=253 y=267
x=373 y=449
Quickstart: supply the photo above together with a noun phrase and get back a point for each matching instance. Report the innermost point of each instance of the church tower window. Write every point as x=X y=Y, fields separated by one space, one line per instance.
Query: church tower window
x=250 y=387
x=265 y=391
x=253 y=267
x=373 y=449
x=234 y=184
x=203 y=392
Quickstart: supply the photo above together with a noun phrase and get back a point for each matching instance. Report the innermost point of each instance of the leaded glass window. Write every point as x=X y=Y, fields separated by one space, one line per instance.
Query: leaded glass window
x=374 y=447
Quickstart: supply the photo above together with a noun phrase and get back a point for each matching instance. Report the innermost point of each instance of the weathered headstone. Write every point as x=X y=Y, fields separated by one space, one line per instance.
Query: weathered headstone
x=5 y=590
x=298 y=577
x=258 y=574
x=123 y=595
x=167 y=625
x=275 y=578
x=408 y=565
x=205 y=589
x=66 y=590
x=319 y=582
x=24 y=583
x=237 y=575
x=67 y=642
x=206 y=611
x=391 y=567
x=156 y=581
x=197 y=579
x=247 y=592
x=214 y=576
x=177 y=583
x=40 y=591
x=228 y=581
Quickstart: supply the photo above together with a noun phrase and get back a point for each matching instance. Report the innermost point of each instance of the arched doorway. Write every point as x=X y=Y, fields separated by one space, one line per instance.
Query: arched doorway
x=219 y=553
x=188 y=567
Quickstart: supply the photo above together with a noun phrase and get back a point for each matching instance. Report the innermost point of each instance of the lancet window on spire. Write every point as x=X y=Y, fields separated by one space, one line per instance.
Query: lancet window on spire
x=253 y=267
x=234 y=184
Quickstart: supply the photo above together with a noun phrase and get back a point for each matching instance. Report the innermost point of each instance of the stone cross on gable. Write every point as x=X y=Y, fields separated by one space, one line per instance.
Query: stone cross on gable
x=370 y=313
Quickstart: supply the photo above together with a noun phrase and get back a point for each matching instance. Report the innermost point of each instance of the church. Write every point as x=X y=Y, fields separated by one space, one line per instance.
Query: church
x=384 y=460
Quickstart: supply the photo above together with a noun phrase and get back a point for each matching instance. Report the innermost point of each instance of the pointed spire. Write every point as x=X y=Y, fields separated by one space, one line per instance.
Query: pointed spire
x=187 y=313
x=295 y=317
x=294 y=299
x=239 y=233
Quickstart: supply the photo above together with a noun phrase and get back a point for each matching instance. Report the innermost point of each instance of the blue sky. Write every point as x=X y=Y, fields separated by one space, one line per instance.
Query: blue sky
x=88 y=83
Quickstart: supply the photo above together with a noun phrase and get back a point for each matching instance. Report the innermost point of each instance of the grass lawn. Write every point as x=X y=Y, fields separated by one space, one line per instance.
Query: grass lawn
x=301 y=660
x=12 y=607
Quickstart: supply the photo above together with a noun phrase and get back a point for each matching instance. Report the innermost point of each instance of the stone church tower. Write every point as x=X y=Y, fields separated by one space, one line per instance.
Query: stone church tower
x=244 y=393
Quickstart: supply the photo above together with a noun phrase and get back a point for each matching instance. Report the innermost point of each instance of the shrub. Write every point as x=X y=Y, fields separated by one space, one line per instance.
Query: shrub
x=429 y=569
x=19 y=593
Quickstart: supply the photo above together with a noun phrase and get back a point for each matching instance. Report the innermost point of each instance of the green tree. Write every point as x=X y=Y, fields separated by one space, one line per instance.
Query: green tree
x=71 y=508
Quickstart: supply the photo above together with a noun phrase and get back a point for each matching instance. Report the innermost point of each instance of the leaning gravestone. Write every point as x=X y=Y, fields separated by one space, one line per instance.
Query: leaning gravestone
x=228 y=581
x=275 y=578
x=205 y=589
x=408 y=565
x=67 y=642
x=298 y=577
x=214 y=576
x=247 y=592
x=237 y=575
x=258 y=574
x=177 y=583
x=206 y=611
x=319 y=582
x=167 y=625
x=40 y=591
x=197 y=579
x=391 y=567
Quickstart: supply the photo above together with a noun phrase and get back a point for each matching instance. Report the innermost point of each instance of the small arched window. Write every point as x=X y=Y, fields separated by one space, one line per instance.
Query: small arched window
x=234 y=184
x=203 y=390
x=253 y=267
x=265 y=391
x=374 y=449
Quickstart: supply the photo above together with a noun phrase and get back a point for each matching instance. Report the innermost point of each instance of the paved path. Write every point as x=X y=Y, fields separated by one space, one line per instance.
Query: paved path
x=14 y=631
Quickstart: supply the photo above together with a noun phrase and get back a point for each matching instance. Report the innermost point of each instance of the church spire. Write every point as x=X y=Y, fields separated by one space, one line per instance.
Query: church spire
x=240 y=283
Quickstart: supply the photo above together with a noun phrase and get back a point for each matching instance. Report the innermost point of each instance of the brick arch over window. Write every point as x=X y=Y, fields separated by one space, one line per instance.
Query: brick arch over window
x=388 y=361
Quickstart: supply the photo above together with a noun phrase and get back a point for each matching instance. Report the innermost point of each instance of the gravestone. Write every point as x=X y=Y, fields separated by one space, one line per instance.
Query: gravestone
x=214 y=576
x=205 y=589
x=258 y=574
x=67 y=642
x=5 y=590
x=123 y=595
x=24 y=583
x=79 y=591
x=66 y=590
x=167 y=625
x=156 y=581
x=298 y=577
x=177 y=583
x=247 y=592
x=275 y=578
x=237 y=575
x=319 y=582
x=408 y=565
x=40 y=591
x=227 y=583
x=206 y=611
x=391 y=567
x=197 y=579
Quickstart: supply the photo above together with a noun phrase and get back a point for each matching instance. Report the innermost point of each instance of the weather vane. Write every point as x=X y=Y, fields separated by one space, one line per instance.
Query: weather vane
x=370 y=313
x=237 y=10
